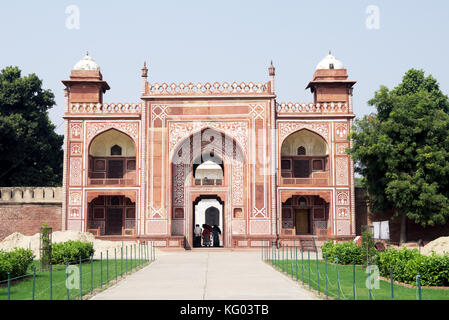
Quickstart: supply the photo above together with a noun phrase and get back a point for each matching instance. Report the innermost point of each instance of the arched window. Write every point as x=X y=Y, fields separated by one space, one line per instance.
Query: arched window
x=301 y=151
x=116 y=150
x=302 y=201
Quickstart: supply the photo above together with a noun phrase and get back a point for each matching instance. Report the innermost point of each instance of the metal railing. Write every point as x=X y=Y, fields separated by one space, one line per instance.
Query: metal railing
x=76 y=279
x=333 y=280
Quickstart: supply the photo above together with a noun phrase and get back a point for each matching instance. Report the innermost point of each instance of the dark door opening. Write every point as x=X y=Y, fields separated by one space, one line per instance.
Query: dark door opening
x=301 y=168
x=114 y=222
x=115 y=169
x=206 y=211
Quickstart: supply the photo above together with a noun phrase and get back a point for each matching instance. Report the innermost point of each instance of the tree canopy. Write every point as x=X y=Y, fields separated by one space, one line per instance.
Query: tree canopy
x=402 y=151
x=30 y=150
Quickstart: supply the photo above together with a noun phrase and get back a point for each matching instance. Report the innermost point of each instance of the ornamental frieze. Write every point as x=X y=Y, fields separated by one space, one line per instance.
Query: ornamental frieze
x=287 y=128
x=130 y=128
x=181 y=130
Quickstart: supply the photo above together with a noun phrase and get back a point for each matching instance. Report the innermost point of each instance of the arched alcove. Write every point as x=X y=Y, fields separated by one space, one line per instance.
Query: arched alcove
x=112 y=215
x=302 y=153
x=112 y=159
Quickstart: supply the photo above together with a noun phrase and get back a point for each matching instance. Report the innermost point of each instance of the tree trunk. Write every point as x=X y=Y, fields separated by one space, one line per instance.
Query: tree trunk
x=403 y=235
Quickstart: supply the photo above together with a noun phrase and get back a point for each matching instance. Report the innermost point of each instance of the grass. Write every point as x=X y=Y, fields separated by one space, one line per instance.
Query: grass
x=94 y=277
x=300 y=270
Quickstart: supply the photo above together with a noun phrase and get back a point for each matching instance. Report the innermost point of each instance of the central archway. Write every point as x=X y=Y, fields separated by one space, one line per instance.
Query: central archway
x=207 y=163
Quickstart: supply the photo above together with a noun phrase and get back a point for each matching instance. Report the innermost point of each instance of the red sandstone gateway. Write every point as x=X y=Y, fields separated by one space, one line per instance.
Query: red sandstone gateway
x=225 y=154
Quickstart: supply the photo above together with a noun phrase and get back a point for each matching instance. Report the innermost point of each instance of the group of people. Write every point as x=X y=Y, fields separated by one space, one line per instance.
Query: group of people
x=205 y=233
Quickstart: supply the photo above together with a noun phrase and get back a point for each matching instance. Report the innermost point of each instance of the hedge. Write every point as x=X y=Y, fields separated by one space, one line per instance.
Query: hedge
x=347 y=252
x=15 y=262
x=406 y=264
x=71 y=251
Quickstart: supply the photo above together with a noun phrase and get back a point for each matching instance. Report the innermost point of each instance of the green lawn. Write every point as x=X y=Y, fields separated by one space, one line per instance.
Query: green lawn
x=91 y=278
x=300 y=270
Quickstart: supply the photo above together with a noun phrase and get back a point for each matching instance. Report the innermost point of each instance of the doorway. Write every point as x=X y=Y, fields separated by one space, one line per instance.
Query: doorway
x=302 y=221
x=114 y=222
x=209 y=210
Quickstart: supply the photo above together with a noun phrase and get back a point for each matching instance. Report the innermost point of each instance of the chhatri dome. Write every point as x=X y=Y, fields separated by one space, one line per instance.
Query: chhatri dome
x=87 y=63
x=330 y=62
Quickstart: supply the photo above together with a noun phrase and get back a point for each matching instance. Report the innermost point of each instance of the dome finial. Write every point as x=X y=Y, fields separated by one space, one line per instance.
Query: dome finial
x=271 y=69
x=144 y=70
x=330 y=53
x=87 y=53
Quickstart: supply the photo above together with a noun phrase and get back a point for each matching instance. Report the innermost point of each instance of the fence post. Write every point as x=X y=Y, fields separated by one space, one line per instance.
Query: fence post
x=296 y=262
x=353 y=279
x=126 y=260
x=107 y=266
x=286 y=260
x=121 y=261
x=302 y=264
x=369 y=288
x=325 y=275
x=67 y=278
x=308 y=258
x=317 y=271
x=338 y=279
x=283 y=258
x=9 y=286
x=34 y=280
x=418 y=284
x=115 y=260
x=91 y=274
x=392 y=283
x=81 y=280
x=101 y=269
x=51 y=281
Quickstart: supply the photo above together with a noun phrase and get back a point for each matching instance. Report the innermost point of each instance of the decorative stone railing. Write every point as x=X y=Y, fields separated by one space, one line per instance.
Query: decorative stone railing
x=30 y=195
x=106 y=108
x=191 y=89
x=208 y=182
x=303 y=108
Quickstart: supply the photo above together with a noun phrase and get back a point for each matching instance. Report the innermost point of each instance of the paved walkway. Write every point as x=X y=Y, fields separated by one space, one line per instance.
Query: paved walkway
x=206 y=275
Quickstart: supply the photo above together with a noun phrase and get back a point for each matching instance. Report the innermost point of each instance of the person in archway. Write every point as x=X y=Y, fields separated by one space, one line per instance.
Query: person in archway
x=216 y=235
x=206 y=235
x=197 y=236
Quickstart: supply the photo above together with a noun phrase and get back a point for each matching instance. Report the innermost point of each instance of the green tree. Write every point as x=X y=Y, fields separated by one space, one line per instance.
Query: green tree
x=402 y=151
x=30 y=151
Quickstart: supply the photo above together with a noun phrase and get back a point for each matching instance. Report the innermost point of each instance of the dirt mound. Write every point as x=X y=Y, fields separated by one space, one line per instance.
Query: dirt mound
x=440 y=246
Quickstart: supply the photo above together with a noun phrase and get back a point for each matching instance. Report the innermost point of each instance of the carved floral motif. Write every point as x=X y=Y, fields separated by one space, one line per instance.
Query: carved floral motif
x=130 y=128
x=287 y=128
x=181 y=130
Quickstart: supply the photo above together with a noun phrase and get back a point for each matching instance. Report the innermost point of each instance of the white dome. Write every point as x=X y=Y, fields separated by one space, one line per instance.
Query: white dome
x=330 y=61
x=87 y=63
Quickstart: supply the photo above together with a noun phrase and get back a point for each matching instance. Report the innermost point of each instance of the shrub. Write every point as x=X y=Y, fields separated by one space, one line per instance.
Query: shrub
x=16 y=262
x=71 y=251
x=406 y=264
x=347 y=252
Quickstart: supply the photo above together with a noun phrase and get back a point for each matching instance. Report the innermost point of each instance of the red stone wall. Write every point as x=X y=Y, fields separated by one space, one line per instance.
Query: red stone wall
x=28 y=218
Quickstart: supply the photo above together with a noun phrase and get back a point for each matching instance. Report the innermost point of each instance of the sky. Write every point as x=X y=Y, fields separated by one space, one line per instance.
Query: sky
x=209 y=41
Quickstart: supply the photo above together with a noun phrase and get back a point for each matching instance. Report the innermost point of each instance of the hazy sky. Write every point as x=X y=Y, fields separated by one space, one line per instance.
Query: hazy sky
x=208 y=41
